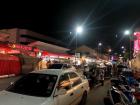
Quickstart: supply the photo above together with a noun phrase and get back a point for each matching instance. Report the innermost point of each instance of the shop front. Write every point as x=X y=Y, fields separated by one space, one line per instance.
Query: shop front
x=50 y=58
x=9 y=65
x=12 y=58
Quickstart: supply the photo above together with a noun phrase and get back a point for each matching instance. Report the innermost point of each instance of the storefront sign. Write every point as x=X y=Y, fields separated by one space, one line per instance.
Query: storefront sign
x=21 y=47
x=137 y=42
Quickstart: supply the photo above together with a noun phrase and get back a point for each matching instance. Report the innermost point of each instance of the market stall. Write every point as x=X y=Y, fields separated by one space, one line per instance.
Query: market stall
x=9 y=65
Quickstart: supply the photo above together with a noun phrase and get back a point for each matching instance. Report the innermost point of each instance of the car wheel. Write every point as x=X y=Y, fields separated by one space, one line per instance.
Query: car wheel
x=84 y=99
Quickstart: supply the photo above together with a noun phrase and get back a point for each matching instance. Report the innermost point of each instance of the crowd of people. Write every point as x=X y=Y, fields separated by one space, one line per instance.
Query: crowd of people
x=94 y=73
x=97 y=75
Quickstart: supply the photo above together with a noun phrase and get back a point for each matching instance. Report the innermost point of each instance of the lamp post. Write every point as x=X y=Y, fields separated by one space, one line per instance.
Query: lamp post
x=122 y=47
x=109 y=51
x=99 y=48
x=128 y=33
x=79 y=30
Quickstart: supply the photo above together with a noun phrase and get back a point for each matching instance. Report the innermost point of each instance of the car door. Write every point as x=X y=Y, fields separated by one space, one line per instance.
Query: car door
x=77 y=87
x=64 y=83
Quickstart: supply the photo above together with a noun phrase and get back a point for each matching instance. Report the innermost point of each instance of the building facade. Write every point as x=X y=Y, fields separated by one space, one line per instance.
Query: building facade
x=24 y=36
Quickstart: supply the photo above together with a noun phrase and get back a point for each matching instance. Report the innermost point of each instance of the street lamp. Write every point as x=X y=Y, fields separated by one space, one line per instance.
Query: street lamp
x=128 y=33
x=99 y=48
x=109 y=52
x=122 y=47
x=78 y=30
x=100 y=44
x=123 y=51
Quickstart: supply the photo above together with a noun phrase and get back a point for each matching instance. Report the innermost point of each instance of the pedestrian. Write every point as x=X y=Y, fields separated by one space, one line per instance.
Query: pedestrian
x=101 y=77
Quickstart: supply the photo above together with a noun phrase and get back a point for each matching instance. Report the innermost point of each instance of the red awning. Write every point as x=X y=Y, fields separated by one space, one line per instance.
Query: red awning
x=45 y=53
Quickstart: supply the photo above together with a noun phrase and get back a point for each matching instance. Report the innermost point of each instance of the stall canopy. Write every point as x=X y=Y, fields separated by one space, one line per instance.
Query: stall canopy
x=5 y=48
x=58 y=55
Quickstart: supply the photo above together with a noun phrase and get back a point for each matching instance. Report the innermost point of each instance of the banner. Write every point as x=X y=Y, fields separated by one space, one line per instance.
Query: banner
x=136 y=42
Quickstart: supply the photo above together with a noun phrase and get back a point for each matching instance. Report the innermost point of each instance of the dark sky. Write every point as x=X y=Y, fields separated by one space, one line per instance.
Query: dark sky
x=102 y=19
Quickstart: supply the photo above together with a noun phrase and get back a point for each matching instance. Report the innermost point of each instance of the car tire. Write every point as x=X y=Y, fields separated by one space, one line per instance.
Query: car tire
x=84 y=99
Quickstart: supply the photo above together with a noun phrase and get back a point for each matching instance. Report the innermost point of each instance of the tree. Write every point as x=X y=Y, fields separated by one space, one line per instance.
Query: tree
x=126 y=55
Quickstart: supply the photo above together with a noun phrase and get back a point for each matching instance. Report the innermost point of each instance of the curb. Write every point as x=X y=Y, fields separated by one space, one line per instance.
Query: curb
x=7 y=76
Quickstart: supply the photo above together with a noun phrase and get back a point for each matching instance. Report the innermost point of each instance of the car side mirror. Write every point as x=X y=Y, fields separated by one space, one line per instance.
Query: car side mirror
x=61 y=92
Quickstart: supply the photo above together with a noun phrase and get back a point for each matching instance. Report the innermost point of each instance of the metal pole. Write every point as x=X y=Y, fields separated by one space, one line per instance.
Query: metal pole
x=75 y=46
x=130 y=47
x=98 y=51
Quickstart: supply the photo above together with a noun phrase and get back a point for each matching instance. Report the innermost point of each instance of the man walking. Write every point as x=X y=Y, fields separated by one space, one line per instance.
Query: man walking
x=101 y=77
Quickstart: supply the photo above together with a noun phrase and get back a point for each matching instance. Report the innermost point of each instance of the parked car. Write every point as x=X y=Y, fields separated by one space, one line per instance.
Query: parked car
x=61 y=66
x=47 y=87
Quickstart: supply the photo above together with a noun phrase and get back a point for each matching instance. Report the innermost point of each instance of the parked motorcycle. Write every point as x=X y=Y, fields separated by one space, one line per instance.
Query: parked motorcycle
x=117 y=96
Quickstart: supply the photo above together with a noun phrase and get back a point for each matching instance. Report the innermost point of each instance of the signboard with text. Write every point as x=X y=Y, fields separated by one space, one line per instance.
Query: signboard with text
x=137 y=42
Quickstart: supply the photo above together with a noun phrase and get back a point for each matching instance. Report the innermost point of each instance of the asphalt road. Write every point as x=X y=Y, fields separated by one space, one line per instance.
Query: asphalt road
x=5 y=82
x=96 y=95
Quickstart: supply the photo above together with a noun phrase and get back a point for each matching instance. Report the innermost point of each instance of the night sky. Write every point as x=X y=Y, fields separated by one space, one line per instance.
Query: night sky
x=103 y=20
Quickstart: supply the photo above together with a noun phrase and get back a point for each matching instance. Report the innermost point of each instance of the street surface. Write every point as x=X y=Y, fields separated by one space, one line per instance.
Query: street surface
x=95 y=96
x=5 y=82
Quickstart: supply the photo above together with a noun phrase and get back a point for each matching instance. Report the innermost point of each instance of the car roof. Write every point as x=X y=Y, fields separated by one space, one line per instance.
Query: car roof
x=52 y=71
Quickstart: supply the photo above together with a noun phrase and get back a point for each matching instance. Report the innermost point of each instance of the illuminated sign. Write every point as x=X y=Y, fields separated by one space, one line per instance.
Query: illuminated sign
x=137 y=42
x=21 y=47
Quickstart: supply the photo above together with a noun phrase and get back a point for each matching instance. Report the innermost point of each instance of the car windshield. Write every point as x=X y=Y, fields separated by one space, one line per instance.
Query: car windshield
x=55 y=66
x=34 y=84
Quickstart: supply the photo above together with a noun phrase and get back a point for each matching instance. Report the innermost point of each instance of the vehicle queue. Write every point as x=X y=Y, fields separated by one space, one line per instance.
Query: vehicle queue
x=71 y=84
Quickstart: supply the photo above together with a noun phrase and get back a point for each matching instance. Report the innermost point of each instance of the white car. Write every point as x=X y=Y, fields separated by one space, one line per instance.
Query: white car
x=47 y=87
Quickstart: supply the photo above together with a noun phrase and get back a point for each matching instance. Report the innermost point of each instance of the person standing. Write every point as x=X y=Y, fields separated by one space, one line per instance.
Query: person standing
x=101 y=77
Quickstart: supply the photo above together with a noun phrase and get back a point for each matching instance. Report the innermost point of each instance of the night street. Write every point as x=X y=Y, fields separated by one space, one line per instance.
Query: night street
x=76 y=52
